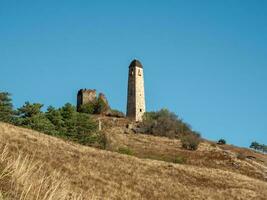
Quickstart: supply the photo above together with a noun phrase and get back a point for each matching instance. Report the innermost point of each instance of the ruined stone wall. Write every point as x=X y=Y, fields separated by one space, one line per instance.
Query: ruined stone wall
x=85 y=96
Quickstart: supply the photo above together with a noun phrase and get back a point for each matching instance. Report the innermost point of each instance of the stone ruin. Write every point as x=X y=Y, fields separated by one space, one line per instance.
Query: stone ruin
x=86 y=96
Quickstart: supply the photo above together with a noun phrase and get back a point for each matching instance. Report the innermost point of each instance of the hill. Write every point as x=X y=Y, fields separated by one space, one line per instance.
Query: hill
x=38 y=166
x=209 y=154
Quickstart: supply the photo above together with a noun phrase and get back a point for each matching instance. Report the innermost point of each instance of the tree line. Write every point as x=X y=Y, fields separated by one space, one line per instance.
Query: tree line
x=64 y=122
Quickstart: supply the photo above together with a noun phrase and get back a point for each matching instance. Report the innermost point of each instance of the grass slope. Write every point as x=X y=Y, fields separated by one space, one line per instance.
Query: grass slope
x=209 y=155
x=36 y=164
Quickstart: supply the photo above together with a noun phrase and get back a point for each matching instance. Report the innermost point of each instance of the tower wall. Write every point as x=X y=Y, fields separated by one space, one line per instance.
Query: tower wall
x=136 y=92
x=85 y=96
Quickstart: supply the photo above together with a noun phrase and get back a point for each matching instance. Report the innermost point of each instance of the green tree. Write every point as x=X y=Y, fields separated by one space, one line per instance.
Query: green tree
x=31 y=116
x=29 y=110
x=40 y=123
x=68 y=111
x=78 y=127
x=85 y=129
x=6 y=108
x=55 y=117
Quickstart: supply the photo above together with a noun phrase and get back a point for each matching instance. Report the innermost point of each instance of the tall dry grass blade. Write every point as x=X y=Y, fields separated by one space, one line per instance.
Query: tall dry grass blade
x=39 y=190
x=4 y=153
x=25 y=197
x=53 y=192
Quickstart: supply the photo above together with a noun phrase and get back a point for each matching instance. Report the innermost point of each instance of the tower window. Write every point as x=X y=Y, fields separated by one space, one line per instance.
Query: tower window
x=141 y=110
x=139 y=72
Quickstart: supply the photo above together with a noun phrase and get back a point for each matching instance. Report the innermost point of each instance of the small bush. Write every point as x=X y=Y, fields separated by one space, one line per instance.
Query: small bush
x=166 y=123
x=179 y=160
x=190 y=142
x=221 y=142
x=125 y=150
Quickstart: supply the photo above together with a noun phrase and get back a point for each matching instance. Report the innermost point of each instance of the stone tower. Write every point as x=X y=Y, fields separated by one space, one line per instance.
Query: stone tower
x=85 y=96
x=136 y=92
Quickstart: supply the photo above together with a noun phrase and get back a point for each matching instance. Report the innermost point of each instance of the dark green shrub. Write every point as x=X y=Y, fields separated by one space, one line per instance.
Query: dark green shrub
x=125 y=150
x=165 y=123
x=221 y=141
x=190 y=142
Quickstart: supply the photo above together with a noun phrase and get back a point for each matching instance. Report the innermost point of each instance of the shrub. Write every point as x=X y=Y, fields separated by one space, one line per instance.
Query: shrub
x=190 y=142
x=125 y=150
x=221 y=141
x=165 y=123
x=179 y=160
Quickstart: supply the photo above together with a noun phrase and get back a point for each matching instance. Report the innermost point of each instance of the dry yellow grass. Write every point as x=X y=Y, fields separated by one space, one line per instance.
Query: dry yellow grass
x=23 y=178
x=208 y=155
x=97 y=174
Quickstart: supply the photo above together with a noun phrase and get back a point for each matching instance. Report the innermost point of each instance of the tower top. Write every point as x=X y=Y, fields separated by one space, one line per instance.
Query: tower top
x=136 y=63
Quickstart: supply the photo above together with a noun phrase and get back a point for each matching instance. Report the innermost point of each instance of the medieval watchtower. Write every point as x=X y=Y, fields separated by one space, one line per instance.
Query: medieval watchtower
x=136 y=91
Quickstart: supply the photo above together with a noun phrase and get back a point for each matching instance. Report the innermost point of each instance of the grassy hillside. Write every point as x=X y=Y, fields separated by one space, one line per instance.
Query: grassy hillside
x=224 y=157
x=38 y=166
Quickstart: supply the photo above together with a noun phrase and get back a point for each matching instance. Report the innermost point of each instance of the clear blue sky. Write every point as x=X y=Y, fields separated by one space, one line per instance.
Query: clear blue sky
x=204 y=60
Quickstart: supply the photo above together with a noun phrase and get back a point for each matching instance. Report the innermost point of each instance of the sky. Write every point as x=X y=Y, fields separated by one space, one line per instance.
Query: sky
x=204 y=60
